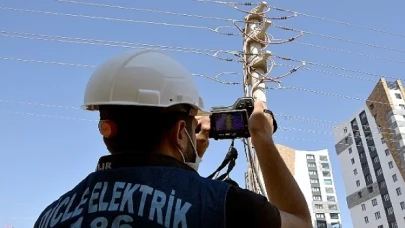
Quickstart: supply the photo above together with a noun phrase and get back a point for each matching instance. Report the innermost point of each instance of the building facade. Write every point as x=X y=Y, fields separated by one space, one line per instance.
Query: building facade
x=370 y=146
x=313 y=172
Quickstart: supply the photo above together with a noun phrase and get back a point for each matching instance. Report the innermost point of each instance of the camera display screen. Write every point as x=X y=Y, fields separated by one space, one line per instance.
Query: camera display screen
x=230 y=121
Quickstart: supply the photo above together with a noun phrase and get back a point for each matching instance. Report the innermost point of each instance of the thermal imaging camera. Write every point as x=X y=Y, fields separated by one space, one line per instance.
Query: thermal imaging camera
x=230 y=122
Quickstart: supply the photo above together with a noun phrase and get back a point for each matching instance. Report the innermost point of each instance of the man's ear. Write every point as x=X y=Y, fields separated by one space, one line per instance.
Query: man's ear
x=178 y=136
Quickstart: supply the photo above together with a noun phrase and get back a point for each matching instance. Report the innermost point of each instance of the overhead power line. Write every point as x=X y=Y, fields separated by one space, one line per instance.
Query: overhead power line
x=216 y=30
x=157 y=11
x=296 y=13
x=332 y=73
x=214 y=78
x=144 y=10
x=77 y=40
x=226 y=55
x=340 y=39
x=311 y=121
x=31 y=114
x=337 y=67
x=235 y=4
x=290 y=117
x=96 y=120
x=339 y=22
x=350 y=52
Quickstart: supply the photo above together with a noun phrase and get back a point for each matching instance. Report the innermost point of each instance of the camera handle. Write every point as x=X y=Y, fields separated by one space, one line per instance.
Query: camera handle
x=230 y=160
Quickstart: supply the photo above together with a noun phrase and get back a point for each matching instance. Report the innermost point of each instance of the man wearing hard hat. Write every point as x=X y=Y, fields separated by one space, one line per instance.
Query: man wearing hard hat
x=154 y=125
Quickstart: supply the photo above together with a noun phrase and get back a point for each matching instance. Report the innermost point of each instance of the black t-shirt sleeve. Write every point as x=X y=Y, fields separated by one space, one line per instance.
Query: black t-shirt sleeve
x=248 y=209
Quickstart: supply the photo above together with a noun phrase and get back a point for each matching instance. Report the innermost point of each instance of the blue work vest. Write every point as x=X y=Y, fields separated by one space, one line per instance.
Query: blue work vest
x=149 y=196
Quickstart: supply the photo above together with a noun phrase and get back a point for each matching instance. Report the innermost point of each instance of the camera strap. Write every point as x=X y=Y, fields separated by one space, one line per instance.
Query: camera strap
x=230 y=160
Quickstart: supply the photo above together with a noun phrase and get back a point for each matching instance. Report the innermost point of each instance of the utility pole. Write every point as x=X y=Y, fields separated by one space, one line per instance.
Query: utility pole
x=255 y=71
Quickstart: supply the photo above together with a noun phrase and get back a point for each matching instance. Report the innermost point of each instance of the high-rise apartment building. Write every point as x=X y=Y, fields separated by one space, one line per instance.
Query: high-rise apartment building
x=313 y=172
x=371 y=146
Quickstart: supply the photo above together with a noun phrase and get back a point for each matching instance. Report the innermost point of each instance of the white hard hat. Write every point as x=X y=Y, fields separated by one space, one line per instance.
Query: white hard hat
x=142 y=78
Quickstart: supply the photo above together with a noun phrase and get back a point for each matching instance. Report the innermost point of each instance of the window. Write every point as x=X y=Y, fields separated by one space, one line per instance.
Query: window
x=370 y=189
x=368 y=178
x=358 y=183
x=399 y=191
x=333 y=207
x=371 y=106
x=374 y=202
x=366 y=219
x=359 y=194
x=329 y=190
x=398 y=96
x=345 y=130
x=350 y=150
x=390 y=164
x=334 y=215
x=393 y=224
x=402 y=106
x=320 y=215
x=361 y=154
x=363 y=115
x=331 y=198
x=387 y=152
x=377 y=215
x=395 y=178
x=386 y=197
x=328 y=182
x=382 y=140
x=355 y=171
x=318 y=206
x=376 y=160
x=390 y=211
x=380 y=226
x=379 y=171
x=313 y=173
x=321 y=224
x=352 y=160
x=382 y=184
x=402 y=205
x=314 y=181
x=326 y=173
x=323 y=158
x=316 y=189
x=317 y=198
x=363 y=207
x=325 y=165
x=311 y=165
x=310 y=156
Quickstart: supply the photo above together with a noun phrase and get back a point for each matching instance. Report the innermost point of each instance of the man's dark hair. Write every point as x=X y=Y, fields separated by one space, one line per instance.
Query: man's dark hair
x=141 y=129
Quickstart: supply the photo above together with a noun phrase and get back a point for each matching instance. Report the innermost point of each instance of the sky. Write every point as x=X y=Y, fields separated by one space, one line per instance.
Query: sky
x=48 y=144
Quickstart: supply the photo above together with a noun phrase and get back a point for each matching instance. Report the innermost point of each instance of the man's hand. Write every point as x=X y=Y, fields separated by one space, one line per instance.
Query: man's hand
x=260 y=123
x=202 y=139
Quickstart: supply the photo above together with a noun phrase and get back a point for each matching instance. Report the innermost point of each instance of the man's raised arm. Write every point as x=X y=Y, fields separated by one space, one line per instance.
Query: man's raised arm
x=282 y=189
